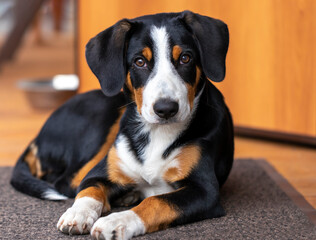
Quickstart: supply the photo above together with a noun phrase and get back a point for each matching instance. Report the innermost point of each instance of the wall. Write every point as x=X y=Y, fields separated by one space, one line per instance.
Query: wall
x=271 y=77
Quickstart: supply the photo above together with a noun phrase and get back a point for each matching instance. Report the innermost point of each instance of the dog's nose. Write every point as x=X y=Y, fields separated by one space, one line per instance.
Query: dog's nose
x=166 y=108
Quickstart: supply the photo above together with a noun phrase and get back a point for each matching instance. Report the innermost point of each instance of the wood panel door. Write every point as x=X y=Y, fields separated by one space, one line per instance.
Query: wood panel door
x=271 y=77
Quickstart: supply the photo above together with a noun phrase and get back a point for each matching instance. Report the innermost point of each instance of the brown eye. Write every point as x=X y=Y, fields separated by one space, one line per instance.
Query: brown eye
x=140 y=62
x=185 y=58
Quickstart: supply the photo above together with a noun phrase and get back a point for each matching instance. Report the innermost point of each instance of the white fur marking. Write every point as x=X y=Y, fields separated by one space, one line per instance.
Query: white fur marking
x=81 y=216
x=126 y=225
x=53 y=195
x=149 y=174
x=164 y=82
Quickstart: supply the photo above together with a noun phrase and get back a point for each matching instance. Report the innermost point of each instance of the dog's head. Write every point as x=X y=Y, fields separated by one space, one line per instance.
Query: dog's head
x=161 y=60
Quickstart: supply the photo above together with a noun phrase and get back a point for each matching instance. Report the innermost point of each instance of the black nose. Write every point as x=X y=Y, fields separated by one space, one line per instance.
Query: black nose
x=166 y=108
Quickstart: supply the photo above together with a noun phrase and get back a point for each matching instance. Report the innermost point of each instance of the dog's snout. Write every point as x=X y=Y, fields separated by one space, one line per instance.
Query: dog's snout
x=166 y=108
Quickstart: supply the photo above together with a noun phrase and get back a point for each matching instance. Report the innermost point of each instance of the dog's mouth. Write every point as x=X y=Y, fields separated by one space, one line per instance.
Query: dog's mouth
x=160 y=121
x=155 y=120
x=167 y=121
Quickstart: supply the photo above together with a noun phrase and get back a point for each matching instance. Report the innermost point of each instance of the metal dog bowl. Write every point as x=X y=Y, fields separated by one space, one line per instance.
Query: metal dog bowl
x=48 y=93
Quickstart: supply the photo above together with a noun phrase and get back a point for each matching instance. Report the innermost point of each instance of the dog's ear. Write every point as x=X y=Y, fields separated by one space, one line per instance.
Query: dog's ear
x=105 y=55
x=213 y=38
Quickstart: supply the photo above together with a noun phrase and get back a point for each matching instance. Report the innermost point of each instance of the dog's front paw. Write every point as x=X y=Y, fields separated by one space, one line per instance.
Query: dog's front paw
x=80 y=217
x=120 y=226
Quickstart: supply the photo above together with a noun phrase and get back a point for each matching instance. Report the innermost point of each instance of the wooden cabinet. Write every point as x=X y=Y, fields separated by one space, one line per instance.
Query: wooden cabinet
x=271 y=64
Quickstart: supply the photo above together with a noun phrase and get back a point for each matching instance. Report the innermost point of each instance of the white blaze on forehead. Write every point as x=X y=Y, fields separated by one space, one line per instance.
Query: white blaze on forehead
x=164 y=81
x=161 y=45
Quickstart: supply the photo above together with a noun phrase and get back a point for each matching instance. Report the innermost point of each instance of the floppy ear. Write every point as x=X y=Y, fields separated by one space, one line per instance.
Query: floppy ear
x=213 y=38
x=105 y=55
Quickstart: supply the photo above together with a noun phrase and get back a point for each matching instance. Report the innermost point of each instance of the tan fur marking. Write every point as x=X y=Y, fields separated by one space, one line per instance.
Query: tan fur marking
x=114 y=171
x=39 y=172
x=147 y=53
x=100 y=155
x=30 y=159
x=34 y=162
x=139 y=98
x=156 y=213
x=188 y=159
x=136 y=94
x=176 y=52
x=99 y=193
x=129 y=82
x=192 y=89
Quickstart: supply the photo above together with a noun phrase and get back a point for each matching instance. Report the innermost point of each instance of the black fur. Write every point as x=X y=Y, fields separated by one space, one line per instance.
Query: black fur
x=105 y=57
x=106 y=53
x=206 y=41
x=212 y=38
x=70 y=138
x=76 y=131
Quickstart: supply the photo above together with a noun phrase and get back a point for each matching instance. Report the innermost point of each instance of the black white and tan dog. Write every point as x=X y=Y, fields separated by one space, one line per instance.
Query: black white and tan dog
x=165 y=145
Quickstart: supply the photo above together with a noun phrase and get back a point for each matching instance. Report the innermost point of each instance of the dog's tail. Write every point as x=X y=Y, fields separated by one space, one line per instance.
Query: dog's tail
x=24 y=181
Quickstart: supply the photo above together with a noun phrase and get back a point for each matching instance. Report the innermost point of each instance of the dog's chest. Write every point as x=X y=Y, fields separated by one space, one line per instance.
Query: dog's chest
x=149 y=175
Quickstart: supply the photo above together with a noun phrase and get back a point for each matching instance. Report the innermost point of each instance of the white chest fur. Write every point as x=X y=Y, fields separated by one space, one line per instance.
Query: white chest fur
x=149 y=174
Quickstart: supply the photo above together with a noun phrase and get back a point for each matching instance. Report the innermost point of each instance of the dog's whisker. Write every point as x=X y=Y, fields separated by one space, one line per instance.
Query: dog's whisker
x=127 y=104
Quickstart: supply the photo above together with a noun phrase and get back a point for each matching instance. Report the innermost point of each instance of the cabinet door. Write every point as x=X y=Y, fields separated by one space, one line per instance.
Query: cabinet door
x=271 y=77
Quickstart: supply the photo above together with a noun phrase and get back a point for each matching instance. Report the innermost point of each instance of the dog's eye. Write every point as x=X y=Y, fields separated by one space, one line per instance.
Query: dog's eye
x=140 y=62
x=185 y=58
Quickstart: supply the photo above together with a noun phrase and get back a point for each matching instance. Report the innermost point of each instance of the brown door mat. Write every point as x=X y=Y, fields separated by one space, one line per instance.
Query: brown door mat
x=296 y=197
x=256 y=207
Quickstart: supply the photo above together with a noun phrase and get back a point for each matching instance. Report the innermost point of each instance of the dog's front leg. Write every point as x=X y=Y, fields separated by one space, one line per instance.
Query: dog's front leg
x=87 y=208
x=187 y=204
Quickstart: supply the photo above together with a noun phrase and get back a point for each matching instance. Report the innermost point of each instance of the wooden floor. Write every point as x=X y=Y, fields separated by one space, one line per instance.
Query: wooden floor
x=19 y=123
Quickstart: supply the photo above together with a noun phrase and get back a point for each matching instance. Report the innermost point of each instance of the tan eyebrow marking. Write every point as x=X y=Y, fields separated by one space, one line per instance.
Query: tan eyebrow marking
x=147 y=53
x=176 y=52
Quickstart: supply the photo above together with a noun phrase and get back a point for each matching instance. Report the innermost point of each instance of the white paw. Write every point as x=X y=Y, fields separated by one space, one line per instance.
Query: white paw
x=80 y=217
x=120 y=226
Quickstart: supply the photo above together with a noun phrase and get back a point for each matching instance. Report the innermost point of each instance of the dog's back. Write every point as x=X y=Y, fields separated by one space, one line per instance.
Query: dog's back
x=72 y=136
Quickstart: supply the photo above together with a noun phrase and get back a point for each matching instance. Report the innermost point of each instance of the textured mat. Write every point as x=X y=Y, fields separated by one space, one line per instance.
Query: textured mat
x=256 y=209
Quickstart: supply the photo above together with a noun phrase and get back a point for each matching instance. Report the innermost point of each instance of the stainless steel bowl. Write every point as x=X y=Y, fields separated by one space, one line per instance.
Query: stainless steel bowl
x=48 y=93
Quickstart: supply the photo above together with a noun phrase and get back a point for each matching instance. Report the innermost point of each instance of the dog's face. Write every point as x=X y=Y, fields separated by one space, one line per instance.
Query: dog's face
x=163 y=72
x=162 y=59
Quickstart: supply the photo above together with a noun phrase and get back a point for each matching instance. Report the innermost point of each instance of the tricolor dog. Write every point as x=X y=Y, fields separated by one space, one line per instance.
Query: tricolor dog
x=164 y=146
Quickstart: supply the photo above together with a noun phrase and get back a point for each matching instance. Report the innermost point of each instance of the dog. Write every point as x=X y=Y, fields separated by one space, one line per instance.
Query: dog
x=164 y=145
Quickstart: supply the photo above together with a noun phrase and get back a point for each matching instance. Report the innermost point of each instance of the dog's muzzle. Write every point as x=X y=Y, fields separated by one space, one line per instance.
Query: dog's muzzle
x=166 y=108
